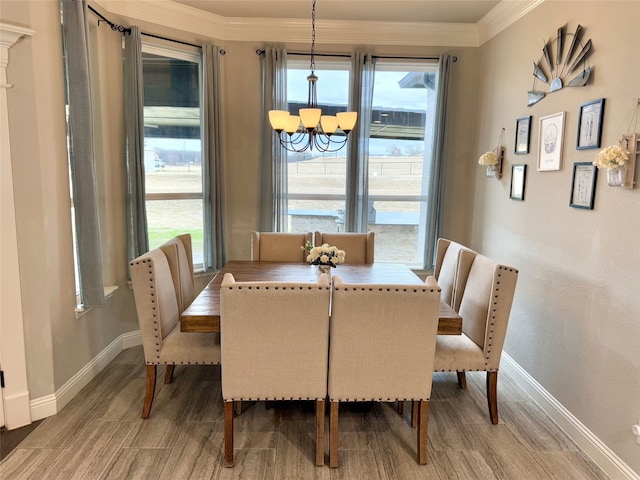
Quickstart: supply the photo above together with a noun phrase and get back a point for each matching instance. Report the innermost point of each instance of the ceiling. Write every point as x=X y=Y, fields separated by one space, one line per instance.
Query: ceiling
x=438 y=11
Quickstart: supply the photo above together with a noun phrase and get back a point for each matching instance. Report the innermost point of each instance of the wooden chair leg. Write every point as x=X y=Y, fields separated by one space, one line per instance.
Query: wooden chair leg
x=168 y=376
x=333 y=434
x=415 y=413
x=320 y=433
x=150 y=390
x=400 y=407
x=462 y=380
x=238 y=407
x=228 y=433
x=492 y=396
x=423 y=420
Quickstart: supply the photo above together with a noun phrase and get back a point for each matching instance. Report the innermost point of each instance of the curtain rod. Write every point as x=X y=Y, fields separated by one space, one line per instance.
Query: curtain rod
x=114 y=27
x=122 y=29
x=454 y=59
x=175 y=41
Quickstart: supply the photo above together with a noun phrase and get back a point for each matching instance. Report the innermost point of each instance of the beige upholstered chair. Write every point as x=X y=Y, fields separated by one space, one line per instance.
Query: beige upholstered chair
x=485 y=307
x=359 y=247
x=382 y=349
x=279 y=247
x=450 y=273
x=180 y=257
x=275 y=346
x=162 y=340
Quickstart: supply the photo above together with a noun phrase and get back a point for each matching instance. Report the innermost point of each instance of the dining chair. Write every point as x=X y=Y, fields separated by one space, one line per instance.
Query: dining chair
x=485 y=306
x=451 y=270
x=275 y=344
x=179 y=254
x=359 y=247
x=279 y=247
x=382 y=349
x=158 y=315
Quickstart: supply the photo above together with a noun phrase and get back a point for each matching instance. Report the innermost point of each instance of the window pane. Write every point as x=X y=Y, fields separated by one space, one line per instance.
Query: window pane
x=176 y=165
x=318 y=177
x=400 y=144
x=396 y=225
x=169 y=218
x=172 y=146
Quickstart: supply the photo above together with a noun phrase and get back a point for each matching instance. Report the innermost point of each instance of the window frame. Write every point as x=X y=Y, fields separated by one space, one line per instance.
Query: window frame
x=188 y=54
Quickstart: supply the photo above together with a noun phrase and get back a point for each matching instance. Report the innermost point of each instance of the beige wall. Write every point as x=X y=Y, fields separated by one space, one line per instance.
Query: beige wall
x=575 y=318
x=575 y=324
x=58 y=344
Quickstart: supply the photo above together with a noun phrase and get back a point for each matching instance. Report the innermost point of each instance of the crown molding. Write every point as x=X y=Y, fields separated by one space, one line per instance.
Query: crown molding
x=189 y=19
x=503 y=15
x=169 y=14
x=352 y=32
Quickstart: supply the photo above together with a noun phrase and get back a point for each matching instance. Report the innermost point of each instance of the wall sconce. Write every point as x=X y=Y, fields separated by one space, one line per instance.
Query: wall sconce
x=620 y=160
x=493 y=159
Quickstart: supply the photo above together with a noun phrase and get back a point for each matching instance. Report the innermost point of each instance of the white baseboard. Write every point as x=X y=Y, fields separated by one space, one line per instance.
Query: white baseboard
x=602 y=455
x=16 y=412
x=51 y=404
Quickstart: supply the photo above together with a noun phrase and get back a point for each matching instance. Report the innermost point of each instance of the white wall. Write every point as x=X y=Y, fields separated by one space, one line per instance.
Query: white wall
x=575 y=323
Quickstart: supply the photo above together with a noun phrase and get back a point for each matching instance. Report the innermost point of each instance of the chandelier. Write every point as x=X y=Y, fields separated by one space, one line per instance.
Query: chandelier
x=310 y=129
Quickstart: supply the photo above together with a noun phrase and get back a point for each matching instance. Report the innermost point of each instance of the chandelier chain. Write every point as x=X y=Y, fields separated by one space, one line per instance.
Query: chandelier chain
x=313 y=36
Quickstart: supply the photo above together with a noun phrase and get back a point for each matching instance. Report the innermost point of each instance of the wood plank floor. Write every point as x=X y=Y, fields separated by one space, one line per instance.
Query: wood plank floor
x=100 y=435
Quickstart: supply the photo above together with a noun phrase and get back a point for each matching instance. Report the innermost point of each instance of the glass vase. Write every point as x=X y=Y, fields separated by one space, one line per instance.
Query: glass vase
x=491 y=170
x=324 y=269
x=616 y=176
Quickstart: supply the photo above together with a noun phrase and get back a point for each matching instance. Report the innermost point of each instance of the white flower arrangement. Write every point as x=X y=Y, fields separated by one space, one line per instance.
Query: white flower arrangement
x=326 y=255
x=613 y=156
x=488 y=158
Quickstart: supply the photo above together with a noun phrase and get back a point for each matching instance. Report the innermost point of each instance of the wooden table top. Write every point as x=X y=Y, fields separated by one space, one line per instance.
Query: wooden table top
x=203 y=315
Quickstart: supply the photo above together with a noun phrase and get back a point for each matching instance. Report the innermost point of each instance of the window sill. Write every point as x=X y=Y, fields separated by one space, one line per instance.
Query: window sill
x=109 y=290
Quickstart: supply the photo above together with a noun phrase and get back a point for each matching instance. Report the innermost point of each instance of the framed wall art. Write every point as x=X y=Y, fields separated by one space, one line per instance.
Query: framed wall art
x=590 y=124
x=518 y=175
x=550 y=136
x=523 y=135
x=583 y=186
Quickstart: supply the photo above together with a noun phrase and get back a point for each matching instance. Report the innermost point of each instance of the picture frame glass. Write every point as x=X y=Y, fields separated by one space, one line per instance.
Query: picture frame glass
x=583 y=185
x=590 y=125
x=550 y=141
x=518 y=175
x=523 y=135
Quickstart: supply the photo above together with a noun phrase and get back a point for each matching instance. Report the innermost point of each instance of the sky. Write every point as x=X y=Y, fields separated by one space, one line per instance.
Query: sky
x=333 y=87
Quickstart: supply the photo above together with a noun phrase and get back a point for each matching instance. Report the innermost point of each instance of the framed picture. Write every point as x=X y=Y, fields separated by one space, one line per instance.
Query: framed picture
x=518 y=174
x=523 y=135
x=550 y=142
x=590 y=124
x=583 y=186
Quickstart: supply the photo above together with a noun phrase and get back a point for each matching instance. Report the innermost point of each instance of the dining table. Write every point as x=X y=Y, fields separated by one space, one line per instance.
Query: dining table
x=203 y=314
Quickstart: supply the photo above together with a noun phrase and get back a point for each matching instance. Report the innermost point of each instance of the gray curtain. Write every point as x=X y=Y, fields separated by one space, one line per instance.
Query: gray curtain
x=214 y=246
x=75 y=33
x=360 y=100
x=434 y=190
x=273 y=163
x=137 y=239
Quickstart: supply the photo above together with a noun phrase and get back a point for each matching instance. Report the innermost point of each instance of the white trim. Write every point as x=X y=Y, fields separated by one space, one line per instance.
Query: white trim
x=51 y=404
x=503 y=15
x=602 y=455
x=16 y=409
x=198 y=22
x=14 y=396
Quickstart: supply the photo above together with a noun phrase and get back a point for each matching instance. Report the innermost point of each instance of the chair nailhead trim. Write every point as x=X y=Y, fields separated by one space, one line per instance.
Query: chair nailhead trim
x=267 y=287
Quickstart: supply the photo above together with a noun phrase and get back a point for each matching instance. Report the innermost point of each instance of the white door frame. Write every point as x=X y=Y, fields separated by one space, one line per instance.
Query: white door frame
x=15 y=408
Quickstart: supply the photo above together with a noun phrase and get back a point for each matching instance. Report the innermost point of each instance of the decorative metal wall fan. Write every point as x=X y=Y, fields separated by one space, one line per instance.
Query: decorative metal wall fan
x=561 y=72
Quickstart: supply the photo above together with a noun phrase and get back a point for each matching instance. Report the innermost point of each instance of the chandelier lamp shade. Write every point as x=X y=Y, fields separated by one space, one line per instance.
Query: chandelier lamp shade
x=310 y=129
